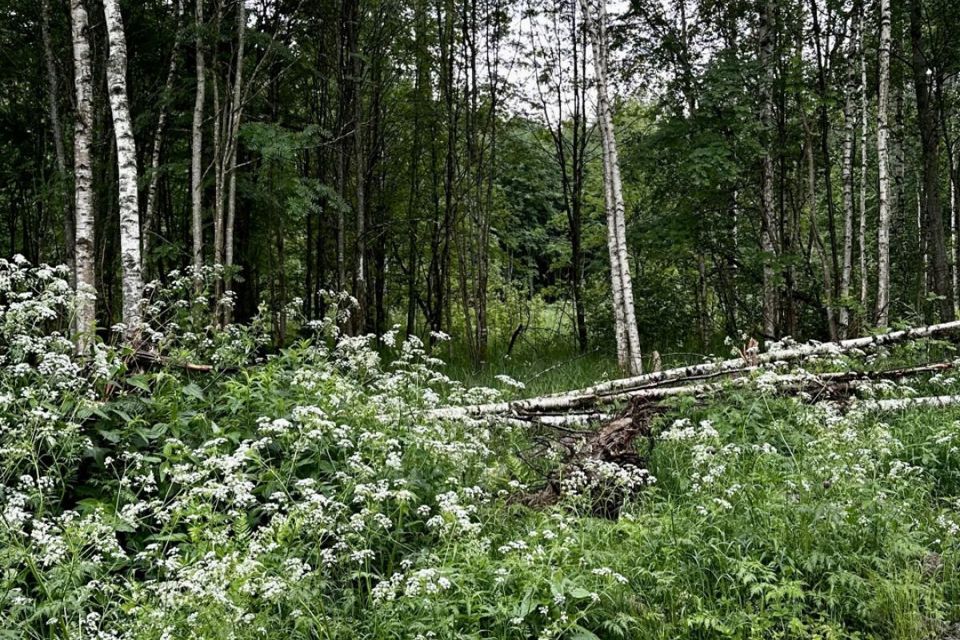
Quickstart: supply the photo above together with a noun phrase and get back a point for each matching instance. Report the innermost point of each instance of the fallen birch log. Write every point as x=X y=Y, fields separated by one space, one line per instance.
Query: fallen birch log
x=154 y=359
x=826 y=383
x=590 y=396
x=614 y=441
x=898 y=404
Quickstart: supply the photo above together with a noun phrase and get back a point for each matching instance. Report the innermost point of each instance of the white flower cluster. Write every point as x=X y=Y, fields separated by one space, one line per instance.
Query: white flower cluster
x=683 y=429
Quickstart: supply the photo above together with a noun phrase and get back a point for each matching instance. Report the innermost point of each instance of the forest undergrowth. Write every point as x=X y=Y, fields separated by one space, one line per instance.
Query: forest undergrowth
x=310 y=493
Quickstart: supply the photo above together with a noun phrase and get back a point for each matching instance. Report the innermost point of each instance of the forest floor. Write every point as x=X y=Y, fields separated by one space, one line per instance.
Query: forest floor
x=292 y=506
x=317 y=493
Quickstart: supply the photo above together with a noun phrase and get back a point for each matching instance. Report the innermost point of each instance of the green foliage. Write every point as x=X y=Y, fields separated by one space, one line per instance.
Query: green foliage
x=312 y=494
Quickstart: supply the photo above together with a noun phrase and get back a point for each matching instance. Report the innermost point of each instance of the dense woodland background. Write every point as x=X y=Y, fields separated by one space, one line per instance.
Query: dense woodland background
x=414 y=319
x=441 y=160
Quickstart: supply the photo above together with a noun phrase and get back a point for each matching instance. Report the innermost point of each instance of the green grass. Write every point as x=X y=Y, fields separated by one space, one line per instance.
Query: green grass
x=547 y=369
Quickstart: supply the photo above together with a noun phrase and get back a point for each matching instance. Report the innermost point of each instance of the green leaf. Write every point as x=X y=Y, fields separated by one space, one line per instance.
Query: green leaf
x=193 y=391
x=140 y=382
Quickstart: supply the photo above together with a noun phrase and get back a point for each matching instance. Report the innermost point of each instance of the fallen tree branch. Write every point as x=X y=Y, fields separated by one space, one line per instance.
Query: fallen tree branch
x=590 y=395
x=897 y=404
x=148 y=357
x=614 y=441
x=831 y=383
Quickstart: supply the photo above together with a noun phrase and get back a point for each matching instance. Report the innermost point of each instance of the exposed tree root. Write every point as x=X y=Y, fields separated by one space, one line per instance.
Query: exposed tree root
x=585 y=452
x=612 y=443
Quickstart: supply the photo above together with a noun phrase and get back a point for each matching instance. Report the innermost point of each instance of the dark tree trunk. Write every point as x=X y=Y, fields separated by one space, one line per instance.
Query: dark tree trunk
x=930 y=150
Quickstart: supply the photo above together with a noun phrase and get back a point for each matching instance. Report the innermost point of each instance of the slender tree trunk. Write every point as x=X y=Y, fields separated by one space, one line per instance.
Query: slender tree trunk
x=952 y=213
x=83 y=178
x=420 y=100
x=56 y=126
x=849 y=131
x=613 y=185
x=824 y=118
x=864 y=130
x=146 y=235
x=816 y=242
x=360 y=275
x=768 y=225
x=220 y=135
x=236 y=113
x=577 y=170
x=883 y=164
x=196 y=168
x=346 y=122
x=130 y=259
x=930 y=147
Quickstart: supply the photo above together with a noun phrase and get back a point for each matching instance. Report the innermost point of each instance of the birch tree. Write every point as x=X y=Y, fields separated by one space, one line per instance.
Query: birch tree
x=628 y=338
x=883 y=164
x=196 y=145
x=236 y=111
x=864 y=131
x=130 y=260
x=83 y=177
x=768 y=225
x=849 y=129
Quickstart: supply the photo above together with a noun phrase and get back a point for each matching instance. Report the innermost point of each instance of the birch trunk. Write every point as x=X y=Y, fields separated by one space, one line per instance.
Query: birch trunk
x=150 y=212
x=220 y=130
x=616 y=210
x=236 y=114
x=196 y=146
x=589 y=395
x=360 y=273
x=822 y=385
x=901 y=404
x=883 y=164
x=619 y=321
x=83 y=178
x=849 y=129
x=864 y=123
x=768 y=225
x=132 y=284
x=56 y=127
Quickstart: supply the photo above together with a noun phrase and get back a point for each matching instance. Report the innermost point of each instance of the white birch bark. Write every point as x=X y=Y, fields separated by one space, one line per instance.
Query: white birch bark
x=588 y=395
x=883 y=161
x=954 y=229
x=149 y=215
x=361 y=269
x=130 y=261
x=220 y=131
x=849 y=129
x=236 y=114
x=900 y=404
x=85 y=320
x=768 y=224
x=196 y=144
x=616 y=209
x=619 y=320
x=864 y=130
x=766 y=381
